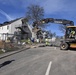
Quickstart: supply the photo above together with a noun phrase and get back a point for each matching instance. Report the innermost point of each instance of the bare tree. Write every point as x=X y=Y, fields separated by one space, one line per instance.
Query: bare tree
x=62 y=28
x=51 y=34
x=34 y=12
x=54 y=34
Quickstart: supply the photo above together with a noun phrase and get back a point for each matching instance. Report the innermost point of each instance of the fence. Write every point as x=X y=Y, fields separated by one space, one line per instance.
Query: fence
x=5 y=36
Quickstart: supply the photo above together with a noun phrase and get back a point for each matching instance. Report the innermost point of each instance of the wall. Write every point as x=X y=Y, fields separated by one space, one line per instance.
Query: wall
x=3 y=31
x=12 y=29
x=14 y=25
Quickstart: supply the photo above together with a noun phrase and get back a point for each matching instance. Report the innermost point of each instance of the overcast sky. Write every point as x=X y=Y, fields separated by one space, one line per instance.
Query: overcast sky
x=62 y=9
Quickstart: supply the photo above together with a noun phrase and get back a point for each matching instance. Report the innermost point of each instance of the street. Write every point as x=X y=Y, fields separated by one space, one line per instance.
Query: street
x=40 y=61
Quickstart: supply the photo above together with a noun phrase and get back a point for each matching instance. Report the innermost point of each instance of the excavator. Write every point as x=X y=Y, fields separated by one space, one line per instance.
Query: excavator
x=69 y=40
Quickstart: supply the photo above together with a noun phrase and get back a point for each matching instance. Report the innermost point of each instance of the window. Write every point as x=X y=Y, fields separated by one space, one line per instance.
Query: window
x=70 y=33
x=7 y=27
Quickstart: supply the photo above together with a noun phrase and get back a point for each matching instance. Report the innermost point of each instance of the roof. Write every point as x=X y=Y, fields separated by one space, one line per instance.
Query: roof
x=9 y=22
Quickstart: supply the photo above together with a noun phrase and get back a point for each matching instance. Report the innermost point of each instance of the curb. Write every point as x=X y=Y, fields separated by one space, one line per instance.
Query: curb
x=14 y=53
x=17 y=52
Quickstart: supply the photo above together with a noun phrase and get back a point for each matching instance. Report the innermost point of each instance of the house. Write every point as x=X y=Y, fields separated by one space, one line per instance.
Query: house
x=7 y=29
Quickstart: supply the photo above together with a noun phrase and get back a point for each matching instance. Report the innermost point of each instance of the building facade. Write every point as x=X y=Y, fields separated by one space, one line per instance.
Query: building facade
x=7 y=29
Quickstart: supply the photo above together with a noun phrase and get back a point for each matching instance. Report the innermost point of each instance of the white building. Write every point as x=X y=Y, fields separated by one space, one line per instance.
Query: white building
x=10 y=28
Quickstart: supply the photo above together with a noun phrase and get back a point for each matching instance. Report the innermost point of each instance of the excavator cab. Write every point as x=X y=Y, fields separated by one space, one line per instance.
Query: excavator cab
x=70 y=32
x=70 y=38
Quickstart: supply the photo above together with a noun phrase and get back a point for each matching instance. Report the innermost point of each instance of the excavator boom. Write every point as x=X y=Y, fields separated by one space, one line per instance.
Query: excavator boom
x=52 y=20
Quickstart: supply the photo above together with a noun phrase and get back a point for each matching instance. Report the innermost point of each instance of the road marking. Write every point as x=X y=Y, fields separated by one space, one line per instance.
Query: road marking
x=55 y=48
x=48 y=69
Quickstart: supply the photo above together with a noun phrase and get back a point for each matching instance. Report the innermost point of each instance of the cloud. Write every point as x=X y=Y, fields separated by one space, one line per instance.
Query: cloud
x=21 y=3
x=62 y=6
x=4 y=1
x=28 y=2
x=50 y=6
x=5 y=14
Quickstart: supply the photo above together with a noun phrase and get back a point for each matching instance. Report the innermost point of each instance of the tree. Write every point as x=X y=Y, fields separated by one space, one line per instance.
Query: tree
x=50 y=34
x=62 y=28
x=57 y=37
x=34 y=12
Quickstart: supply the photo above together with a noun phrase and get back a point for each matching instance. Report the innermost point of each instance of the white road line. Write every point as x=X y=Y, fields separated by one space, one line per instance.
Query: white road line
x=48 y=69
x=54 y=47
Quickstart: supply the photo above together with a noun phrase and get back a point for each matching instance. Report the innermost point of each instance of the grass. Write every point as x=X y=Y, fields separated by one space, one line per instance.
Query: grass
x=1 y=52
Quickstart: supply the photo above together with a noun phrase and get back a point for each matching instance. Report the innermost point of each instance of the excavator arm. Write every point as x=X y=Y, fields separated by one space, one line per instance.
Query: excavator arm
x=52 y=20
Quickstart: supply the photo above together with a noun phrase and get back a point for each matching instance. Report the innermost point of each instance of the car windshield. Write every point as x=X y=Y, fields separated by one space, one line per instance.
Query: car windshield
x=70 y=32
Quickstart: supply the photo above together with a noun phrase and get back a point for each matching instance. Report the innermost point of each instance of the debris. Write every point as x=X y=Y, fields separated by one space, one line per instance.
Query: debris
x=3 y=50
x=23 y=43
x=55 y=47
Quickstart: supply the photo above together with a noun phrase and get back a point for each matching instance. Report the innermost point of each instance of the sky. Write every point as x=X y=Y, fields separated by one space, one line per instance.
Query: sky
x=59 y=9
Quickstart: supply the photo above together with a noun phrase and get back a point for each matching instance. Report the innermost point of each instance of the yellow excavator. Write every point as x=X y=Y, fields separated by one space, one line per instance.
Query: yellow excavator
x=69 y=40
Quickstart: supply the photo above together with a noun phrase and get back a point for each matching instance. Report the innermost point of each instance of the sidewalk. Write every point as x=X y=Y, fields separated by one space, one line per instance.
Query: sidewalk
x=13 y=52
x=20 y=50
x=37 y=45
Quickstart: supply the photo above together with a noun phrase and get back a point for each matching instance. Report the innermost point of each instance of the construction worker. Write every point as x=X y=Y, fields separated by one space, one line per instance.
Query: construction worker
x=29 y=41
x=47 y=41
x=72 y=33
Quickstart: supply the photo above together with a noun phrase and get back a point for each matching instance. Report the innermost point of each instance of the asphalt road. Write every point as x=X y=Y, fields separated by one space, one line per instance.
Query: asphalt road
x=40 y=61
